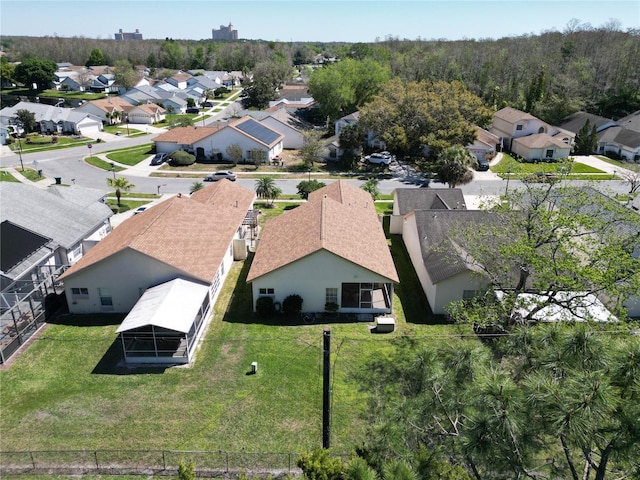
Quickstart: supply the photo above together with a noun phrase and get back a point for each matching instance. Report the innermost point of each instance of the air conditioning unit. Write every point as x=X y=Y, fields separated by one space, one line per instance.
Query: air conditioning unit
x=385 y=324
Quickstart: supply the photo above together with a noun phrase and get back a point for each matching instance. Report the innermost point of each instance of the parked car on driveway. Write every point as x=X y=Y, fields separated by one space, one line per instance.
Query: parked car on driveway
x=159 y=159
x=381 y=158
x=483 y=165
x=214 y=177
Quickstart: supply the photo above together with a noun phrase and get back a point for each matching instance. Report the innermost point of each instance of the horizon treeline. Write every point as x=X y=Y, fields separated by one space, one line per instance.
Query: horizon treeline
x=550 y=75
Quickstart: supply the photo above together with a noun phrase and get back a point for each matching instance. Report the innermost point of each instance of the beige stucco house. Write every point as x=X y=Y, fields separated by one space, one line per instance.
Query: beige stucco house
x=540 y=146
x=510 y=123
x=331 y=249
x=444 y=274
x=194 y=239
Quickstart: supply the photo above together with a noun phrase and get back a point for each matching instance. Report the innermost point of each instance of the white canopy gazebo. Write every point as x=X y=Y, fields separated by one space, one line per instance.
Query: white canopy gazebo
x=165 y=324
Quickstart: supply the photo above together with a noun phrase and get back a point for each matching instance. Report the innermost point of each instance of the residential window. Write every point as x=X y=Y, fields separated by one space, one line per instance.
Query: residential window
x=105 y=297
x=267 y=291
x=518 y=127
x=549 y=154
x=469 y=294
x=79 y=291
x=331 y=295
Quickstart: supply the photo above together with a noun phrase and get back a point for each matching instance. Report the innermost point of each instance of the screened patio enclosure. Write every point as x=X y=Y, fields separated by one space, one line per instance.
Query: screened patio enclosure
x=165 y=325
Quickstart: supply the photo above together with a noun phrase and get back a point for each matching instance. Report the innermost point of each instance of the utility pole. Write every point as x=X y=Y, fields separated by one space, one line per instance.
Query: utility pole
x=326 y=388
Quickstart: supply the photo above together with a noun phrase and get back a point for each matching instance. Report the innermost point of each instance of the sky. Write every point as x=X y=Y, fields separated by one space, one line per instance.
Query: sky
x=348 y=21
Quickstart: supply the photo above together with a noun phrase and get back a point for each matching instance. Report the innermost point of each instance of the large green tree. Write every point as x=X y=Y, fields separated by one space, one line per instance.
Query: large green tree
x=586 y=141
x=551 y=239
x=27 y=119
x=410 y=116
x=555 y=401
x=96 y=57
x=343 y=87
x=126 y=76
x=35 y=71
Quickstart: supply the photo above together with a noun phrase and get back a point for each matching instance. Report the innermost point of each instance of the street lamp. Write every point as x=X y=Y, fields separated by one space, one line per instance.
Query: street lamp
x=309 y=173
x=163 y=185
x=506 y=190
x=128 y=127
x=113 y=170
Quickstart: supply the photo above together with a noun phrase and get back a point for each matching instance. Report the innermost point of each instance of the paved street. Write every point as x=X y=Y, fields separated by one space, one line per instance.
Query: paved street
x=70 y=166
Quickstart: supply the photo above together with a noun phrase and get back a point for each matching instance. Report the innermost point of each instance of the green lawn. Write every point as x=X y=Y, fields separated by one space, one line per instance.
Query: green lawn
x=30 y=174
x=69 y=391
x=98 y=162
x=125 y=205
x=132 y=156
x=7 y=177
x=508 y=165
x=42 y=144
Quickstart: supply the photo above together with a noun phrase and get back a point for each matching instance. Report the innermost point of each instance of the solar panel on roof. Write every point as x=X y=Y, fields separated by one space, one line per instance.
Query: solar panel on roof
x=259 y=131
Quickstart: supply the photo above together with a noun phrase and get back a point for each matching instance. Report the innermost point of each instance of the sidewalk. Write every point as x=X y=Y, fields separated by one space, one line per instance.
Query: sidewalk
x=44 y=183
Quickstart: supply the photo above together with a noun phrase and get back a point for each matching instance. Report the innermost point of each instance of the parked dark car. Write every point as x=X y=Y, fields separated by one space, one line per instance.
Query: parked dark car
x=193 y=110
x=483 y=165
x=159 y=159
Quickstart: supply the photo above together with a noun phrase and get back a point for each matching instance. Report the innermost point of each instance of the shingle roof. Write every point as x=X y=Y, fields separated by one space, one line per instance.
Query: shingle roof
x=512 y=115
x=411 y=199
x=577 y=120
x=339 y=218
x=186 y=135
x=65 y=222
x=437 y=230
x=632 y=122
x=191 y=234
x=540 y=140
x=620 y=135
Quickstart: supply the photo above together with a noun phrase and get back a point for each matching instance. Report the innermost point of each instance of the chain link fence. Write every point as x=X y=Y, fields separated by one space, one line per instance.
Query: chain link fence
x=150 y=462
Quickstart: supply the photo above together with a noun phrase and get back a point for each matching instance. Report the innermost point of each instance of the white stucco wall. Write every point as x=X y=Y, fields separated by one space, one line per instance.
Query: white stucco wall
x=127 y=274
x=293 y=139
x=228 y=136
x=309 y=277
x=443 y=293
x=539 y=153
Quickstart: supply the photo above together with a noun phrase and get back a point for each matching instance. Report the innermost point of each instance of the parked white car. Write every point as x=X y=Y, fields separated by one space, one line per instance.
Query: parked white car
x=214 y=177
x=381 y=158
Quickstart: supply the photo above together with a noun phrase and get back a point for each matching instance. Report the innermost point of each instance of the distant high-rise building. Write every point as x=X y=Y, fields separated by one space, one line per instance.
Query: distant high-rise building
x=225 y=33
x=128 y=36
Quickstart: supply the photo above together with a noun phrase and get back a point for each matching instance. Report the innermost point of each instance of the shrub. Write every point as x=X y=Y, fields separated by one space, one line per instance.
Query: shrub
x=331 y=307
x=292 y=304
x=181 y=158
x=265 y=306
x=186 y=470
x=318 y=465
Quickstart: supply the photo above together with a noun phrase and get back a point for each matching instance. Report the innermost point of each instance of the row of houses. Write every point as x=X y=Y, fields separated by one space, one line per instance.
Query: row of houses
x=532 y=139
x=164 y=267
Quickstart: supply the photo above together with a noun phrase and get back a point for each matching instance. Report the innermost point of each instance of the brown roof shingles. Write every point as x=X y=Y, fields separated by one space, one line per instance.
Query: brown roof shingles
x=191 y=234
x=340 y=219
x=186 y=135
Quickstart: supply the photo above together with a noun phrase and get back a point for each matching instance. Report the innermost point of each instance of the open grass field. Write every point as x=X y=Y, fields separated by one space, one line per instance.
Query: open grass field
x=69 y=390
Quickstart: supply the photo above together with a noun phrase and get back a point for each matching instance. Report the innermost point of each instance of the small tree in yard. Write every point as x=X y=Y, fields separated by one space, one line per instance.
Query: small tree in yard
x=311 y=150
x=371 y=186
x=632 y=177
x=195 y=186
x=120 y=184
x=234 y=151
x=266 y=188
x=307 y=186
